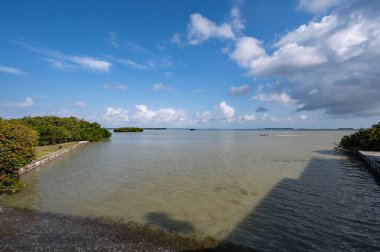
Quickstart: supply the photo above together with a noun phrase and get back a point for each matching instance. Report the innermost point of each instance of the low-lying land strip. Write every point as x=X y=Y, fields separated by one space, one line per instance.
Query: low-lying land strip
x=50 y=154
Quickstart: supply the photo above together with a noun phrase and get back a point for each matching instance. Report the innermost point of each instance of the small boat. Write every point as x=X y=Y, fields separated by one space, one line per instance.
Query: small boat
x=265 y=134
x=191 y=129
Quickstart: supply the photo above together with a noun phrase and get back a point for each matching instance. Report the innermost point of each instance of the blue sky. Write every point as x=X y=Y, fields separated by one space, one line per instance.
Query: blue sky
x=203 y=64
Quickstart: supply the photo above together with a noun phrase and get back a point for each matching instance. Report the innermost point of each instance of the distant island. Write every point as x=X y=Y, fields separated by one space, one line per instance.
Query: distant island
x=155 y=128
x=128 y=129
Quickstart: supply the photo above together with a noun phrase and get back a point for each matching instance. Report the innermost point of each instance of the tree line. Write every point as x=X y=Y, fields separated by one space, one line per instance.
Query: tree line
x=55 y=130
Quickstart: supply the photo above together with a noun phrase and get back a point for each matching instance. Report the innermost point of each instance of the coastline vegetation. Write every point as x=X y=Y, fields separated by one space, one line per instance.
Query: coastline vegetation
x=128 y=129
x=19 y=139
x=364 y=139
x=17 y=144
x=55 y=130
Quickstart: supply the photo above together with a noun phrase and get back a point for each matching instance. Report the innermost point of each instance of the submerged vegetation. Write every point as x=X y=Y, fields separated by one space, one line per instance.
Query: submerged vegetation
x=19 y=138
x=128 y=129
x=17 y=145
x=364 y=139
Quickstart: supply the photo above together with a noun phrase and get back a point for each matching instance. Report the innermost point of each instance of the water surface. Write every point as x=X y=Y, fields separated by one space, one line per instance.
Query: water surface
x=286 y=191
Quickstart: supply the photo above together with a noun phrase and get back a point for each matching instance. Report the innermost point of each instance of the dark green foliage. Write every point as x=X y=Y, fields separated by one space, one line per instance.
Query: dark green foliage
x=55 y=130
x=364 y=139
x=17 y=142
x=128 y=129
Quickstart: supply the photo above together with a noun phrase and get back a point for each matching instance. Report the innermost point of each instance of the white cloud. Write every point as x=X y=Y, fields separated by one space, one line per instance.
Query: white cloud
x=303 y=117
x=246 y=50
x=63 y=61
x=239 y=90
x=204 y=117
x=91 y=63
x=319 y=6
x=9 y=70
x=227 y=111
x=116 y=115
x=236 y=20
x=328 y=64
x=163 y=115
x=112 y=40
x=282 y=98
x=28 y=102
x=128 y=63
x=288 y=59
x=310 y=33
x=115 y=86
x=176 y=39
x=161 y=86
x=79 y=104
x=201 y=29
x=248 y=118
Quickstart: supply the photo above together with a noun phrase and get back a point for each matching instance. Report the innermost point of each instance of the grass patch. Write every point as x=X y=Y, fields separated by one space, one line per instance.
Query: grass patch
x=42 y=151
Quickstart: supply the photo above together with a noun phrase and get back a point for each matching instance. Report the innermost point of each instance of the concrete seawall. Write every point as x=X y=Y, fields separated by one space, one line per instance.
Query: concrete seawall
x=372 y=158
x=48 y=158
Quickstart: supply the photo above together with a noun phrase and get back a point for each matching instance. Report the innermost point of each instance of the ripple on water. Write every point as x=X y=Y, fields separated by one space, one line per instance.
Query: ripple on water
x=273 y=193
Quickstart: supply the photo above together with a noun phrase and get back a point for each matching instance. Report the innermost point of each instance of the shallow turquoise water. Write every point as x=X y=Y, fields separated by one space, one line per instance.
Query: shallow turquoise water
x=287 y=191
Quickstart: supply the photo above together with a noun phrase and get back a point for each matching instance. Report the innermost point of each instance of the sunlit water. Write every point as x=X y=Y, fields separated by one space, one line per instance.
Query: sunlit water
x=289 y=190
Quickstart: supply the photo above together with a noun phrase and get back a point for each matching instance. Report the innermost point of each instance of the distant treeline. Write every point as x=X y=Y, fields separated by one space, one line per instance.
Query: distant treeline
x=128 y=129
x=55 y=130
x=364 y=139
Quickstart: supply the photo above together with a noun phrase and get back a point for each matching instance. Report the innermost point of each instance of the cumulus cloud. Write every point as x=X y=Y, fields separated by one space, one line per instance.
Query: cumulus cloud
x=227 y=111
x=116 y=115
x=246 y=50
x=204 y=117
x=9 y=70
x=239 y=90
x=288 y=59
x=201 y=29
x=28 y=102
x=328 y=64
x=163 y=115
x=319 y=6
x=282 y=98
x=248 y=118
x=161 y=86
x=115 y=86
x=237 y=22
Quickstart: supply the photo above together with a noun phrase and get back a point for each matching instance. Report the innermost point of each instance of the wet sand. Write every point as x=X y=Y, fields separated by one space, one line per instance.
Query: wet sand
x=29 y=230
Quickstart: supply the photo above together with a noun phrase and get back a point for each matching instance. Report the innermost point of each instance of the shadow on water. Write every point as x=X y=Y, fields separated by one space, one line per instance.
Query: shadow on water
x=163 y=221
x=326 y=209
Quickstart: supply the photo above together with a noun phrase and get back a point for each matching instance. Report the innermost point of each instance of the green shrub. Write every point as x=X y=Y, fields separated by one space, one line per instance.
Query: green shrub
x=364 y=139
x=17 y=142
x=56 y=130
x=128 y=129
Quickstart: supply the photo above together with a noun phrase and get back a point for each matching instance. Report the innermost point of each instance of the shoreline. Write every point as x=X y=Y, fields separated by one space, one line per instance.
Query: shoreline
x=45 y=159
x=25 y=229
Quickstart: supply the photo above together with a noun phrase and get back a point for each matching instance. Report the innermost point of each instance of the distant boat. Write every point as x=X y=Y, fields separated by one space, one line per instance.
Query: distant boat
x=265 y=134
x=191 y=129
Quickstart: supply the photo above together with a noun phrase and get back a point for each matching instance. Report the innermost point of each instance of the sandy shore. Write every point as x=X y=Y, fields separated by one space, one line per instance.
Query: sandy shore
x=28 y=230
